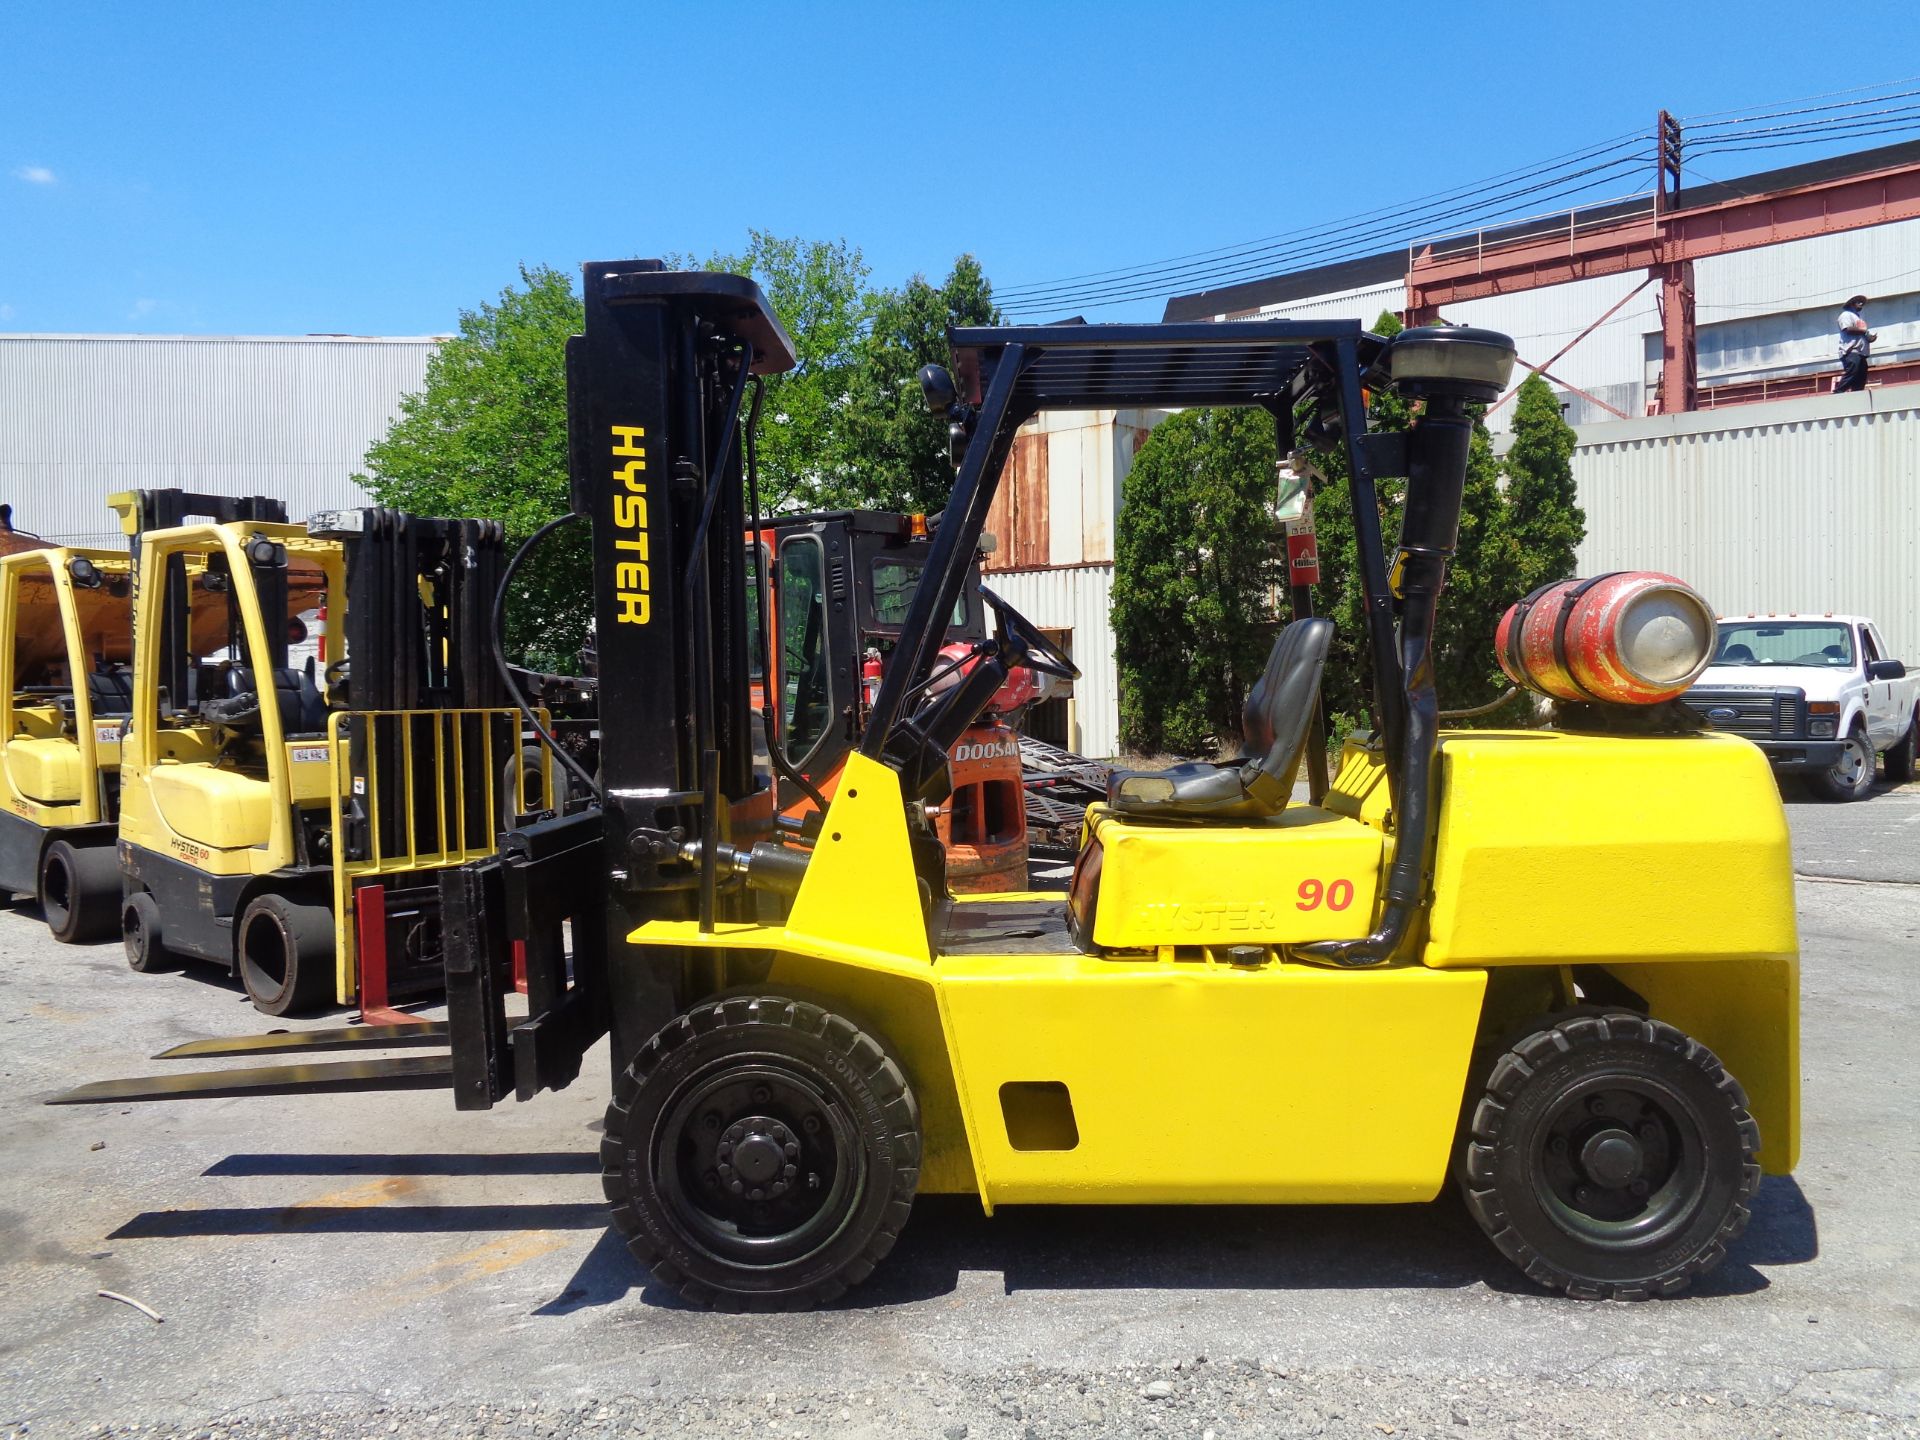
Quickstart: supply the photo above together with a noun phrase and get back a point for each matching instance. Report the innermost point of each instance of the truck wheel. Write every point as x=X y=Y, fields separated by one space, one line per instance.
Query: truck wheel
x=80 y=891
x=286 y=955
x=140 y=933
x=1900 y=758
x=1851 y=776
x=1611 y=1157
x=761 y=1153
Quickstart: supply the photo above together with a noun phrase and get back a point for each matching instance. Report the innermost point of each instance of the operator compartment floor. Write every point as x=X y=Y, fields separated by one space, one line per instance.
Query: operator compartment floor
x=1034 y=925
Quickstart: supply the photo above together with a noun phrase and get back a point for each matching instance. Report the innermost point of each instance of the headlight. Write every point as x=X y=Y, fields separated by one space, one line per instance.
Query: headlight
x=1821 y=730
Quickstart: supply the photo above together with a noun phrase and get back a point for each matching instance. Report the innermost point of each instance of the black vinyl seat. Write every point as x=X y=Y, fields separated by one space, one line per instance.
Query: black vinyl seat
x=1260 y=783
x=110 y=690
x=303 y=709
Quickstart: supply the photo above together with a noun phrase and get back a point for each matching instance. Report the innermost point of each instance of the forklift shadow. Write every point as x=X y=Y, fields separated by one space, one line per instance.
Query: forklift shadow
x=1295 y=1247
x=1291 y=1247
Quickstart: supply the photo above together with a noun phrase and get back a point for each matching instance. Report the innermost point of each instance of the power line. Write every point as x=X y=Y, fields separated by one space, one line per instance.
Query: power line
x=1456 y=193
x=1708 y=115
x=1334 y=245
x=1342 y=238
x=1480 y=205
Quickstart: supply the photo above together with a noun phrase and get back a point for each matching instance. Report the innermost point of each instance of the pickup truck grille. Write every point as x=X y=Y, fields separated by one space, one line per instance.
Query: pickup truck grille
x=1760 y=714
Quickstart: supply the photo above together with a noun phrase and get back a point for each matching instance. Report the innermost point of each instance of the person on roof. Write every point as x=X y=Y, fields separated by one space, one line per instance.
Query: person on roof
x=1855 y=343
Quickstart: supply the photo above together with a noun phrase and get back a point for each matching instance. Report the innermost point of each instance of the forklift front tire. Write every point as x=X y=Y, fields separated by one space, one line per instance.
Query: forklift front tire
x=761 y=1153
x=1611 y=1157
x=286 y=955
x=80 y=891
x=140 y=932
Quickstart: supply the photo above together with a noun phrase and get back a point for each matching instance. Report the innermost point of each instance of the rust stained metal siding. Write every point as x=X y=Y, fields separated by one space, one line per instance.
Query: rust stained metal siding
x=1018 y=516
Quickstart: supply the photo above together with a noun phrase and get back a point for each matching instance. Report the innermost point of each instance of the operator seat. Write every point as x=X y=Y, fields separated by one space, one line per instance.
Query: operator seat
x=1737 y=654
x=303 y=709
x=1260 y=783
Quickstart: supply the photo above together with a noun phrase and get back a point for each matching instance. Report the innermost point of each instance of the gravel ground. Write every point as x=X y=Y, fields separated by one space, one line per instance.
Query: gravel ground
x=347 y=1266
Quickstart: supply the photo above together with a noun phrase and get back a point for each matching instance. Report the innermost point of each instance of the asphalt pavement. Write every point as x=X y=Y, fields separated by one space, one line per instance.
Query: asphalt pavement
x=335 y=1266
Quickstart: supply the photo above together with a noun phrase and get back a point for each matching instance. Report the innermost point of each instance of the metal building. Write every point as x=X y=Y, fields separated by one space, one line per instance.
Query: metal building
x=1053 y=520
x=1810 y=505
x=82 y=416
x=1765 y=317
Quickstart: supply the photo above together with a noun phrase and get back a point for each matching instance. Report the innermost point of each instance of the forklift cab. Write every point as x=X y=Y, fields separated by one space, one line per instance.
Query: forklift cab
x=64 y=623
x=227 y=741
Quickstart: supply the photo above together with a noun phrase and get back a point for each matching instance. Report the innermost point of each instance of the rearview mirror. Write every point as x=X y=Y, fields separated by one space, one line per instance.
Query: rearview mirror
x=1886 y=670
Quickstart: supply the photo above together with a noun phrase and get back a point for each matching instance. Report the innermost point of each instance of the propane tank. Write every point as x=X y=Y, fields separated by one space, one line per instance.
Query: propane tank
x=1634 y=637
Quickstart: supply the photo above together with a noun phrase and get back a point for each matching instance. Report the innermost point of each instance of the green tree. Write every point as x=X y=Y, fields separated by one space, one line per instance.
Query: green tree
x=1519 y=526
x=1348 y=686
x=1544 y=521
x=487 y=436
x=1196 y=562
x=819 y=290
x=902 y=449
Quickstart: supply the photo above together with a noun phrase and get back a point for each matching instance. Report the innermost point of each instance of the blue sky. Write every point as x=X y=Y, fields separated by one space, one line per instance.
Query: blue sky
x=374 y=168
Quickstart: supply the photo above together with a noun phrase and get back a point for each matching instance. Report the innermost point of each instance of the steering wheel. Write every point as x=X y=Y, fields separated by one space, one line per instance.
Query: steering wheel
x=1042 y=655
x=234 y=711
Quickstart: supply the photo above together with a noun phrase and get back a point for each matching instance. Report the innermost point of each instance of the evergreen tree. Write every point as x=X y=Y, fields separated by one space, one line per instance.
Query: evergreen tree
x=1519 y=527
x=1196 y=566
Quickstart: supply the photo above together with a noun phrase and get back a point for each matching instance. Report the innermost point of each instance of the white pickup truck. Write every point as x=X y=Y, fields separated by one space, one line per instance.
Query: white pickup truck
x=1818 y=693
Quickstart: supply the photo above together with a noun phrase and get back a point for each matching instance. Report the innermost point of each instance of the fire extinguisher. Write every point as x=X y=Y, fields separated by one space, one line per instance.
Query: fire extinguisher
x=870 y=679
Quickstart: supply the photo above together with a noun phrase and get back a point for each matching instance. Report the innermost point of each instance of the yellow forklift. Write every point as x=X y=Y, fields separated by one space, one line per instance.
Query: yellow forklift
x=65 y=648
x=1535 y=960
x=285 y=820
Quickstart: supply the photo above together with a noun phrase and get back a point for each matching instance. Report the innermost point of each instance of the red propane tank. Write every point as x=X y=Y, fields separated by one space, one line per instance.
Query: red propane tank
x=1635 y=637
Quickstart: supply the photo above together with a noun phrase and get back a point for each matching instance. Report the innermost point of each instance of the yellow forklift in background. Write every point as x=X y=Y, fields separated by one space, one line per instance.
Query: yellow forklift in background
x=65 y=648
x=1536 y=960
x=284 y=820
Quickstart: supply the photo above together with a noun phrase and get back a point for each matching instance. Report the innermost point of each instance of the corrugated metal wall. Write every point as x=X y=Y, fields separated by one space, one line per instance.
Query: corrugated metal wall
x=1078 y=599
x=82 y=416
x=1810 y=505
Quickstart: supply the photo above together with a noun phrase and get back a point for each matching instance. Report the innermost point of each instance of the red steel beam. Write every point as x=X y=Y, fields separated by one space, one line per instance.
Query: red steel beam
x=1646 y=242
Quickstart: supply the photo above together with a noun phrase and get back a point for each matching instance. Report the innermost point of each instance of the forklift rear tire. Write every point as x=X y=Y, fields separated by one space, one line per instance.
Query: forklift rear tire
x=80 y=891
x=286 y=955
x=140 y=932
x=1611 y=1157
x=761 y=1153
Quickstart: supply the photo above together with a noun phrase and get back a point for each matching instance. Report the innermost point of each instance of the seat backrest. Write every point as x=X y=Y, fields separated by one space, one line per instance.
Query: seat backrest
x=110 y=691
x=1280 y=710
x=303 y=709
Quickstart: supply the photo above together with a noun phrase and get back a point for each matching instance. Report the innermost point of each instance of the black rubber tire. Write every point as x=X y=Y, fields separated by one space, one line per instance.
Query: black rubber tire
x=1901 y=757
x=1699 y=1114
x=866 y=1125
x=80 y=891
x=1832 y=784
x=285 y=953
x=140 y=934
x=530 y=795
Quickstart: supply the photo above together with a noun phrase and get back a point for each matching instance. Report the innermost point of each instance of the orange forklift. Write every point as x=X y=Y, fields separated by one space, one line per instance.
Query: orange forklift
x=840 y=585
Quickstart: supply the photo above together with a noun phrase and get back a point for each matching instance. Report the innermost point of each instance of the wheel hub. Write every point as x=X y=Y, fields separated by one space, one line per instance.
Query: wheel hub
x=757 y=1157
x=1613 y=1158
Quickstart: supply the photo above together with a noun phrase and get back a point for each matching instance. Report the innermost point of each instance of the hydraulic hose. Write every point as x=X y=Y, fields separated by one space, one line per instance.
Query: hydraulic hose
x=498 y=634
x=1429 y=533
